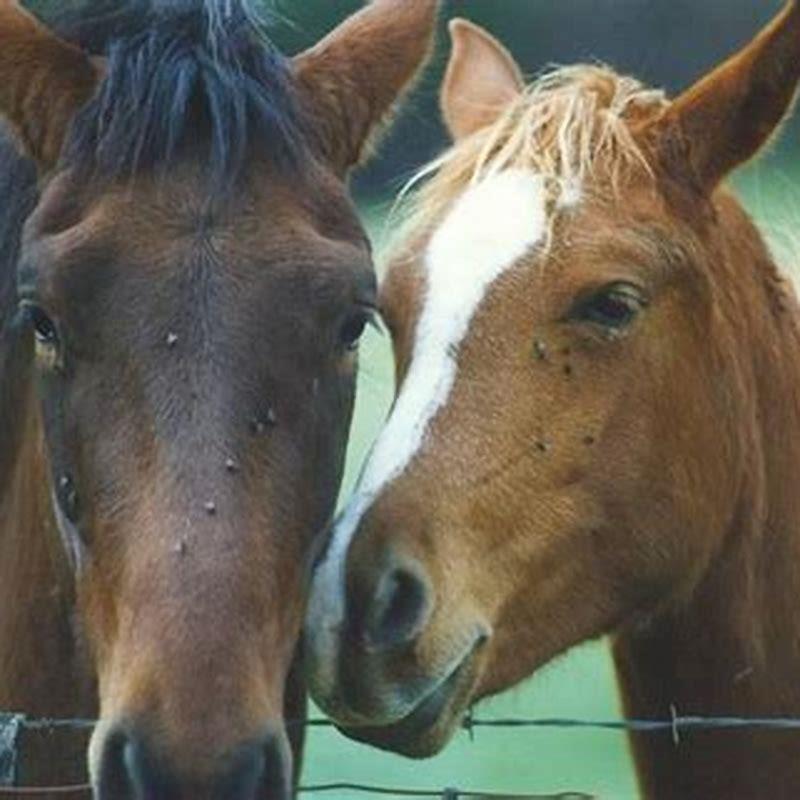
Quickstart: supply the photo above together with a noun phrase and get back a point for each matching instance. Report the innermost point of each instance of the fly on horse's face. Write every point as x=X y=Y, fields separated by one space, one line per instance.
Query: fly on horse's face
x=572 y=315
x=194 y=282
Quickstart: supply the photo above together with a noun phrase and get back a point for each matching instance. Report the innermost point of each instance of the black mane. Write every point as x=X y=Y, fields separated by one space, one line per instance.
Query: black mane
x=182 y=73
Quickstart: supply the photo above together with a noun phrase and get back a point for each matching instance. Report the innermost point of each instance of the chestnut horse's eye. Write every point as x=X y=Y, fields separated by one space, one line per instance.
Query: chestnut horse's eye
x=614 y=307
x=354 y=327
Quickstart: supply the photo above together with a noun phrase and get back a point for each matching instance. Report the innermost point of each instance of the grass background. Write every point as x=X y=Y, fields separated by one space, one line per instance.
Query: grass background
x=579 y=685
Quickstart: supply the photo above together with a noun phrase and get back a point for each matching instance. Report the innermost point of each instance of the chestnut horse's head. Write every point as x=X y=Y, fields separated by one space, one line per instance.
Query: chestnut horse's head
x=196 y=281
x=575 y=314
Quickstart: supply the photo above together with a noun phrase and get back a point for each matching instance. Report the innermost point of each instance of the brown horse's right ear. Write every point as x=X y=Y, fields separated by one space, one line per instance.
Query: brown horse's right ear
x=43 y=83
x=354 y=76
x=726 y=118
x=482 y=80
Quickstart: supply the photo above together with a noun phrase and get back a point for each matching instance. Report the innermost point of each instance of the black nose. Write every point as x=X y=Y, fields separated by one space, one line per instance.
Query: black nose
x=131 y=770
x=390 y=606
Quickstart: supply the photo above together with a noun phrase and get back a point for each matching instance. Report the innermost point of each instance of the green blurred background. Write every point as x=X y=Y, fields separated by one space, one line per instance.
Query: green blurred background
x=667 y=43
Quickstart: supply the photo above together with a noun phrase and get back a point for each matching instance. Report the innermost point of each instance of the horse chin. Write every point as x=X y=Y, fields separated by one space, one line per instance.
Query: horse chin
x=427 y=729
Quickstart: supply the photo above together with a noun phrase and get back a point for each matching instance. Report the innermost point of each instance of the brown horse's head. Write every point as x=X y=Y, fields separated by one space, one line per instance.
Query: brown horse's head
x=194 y=282
x=575 y=314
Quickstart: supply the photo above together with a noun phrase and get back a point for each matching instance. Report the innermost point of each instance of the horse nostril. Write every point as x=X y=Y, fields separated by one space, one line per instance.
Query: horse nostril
x=261 y=769
x=400 y=607
x=277 y=767
x=120 y=775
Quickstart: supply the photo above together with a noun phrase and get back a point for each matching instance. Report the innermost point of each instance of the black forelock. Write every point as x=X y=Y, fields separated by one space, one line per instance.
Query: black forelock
x=182 y=73
x=179 y=73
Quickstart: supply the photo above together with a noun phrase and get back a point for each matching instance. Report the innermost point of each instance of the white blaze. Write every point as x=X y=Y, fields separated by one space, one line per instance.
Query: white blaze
x=489 y=229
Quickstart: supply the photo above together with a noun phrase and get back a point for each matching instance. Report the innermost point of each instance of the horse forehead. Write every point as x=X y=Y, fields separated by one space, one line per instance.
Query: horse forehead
x=488 y=230
x=156 y=224
x=490 y=227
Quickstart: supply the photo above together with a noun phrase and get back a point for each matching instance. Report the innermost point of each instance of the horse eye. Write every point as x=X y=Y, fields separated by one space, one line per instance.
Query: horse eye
x=44 y=329
x=614 y=307
x=354 y=327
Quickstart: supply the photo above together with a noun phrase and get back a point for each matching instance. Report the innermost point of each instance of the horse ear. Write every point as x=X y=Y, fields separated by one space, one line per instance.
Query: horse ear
x=482 y=80
x=354 y=76
x=726 y=118
x=44 y=81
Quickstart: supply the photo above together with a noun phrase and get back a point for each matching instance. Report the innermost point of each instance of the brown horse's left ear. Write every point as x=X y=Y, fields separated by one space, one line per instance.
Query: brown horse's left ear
x=354 y=76
x=44 y=81
x=726 y=118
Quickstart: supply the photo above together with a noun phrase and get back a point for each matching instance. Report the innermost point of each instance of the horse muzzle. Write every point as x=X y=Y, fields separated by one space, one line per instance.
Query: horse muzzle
x=392 y=672
x=129 y=767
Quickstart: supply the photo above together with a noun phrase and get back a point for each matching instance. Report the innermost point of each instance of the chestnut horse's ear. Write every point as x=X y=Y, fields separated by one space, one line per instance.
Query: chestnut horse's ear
x=726 y=118
x=44 y=81
x=482 y=80
x=354 y=76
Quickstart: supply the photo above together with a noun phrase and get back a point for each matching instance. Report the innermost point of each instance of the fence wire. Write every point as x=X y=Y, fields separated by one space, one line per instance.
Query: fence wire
x=12 y=726
x=374 y=791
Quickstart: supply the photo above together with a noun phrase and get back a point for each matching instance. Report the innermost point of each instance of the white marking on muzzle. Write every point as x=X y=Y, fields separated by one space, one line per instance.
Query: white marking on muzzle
x=489 y=229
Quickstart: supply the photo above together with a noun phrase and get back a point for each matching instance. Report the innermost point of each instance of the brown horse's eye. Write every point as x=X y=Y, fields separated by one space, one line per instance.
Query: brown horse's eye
x=44 y=329
x=354 y=327
x=614 y=307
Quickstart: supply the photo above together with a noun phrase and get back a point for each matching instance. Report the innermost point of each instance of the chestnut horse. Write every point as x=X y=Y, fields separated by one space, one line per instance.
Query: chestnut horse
x=597 y=428
x=183 y=284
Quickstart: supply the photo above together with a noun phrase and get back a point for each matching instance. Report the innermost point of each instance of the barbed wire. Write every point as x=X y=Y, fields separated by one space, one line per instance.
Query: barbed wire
x=38 y=791
x=442 y=794
x=677 y=722
x=676 y=726
x=358 y=788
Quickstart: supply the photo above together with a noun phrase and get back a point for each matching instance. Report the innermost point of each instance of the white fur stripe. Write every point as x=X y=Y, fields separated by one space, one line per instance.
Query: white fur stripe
x=490 y=228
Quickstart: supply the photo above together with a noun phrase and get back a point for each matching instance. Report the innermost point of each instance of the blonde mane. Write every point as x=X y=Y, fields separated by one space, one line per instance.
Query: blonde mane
x=563 y=126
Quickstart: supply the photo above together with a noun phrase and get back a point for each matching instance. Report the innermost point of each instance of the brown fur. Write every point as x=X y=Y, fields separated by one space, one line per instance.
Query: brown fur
x=40 y=72
x=397 y=37
x=581 y=483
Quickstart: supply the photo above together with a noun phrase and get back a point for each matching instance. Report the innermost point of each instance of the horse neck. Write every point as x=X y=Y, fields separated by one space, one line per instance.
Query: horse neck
x=41 y=670
x=734 y=647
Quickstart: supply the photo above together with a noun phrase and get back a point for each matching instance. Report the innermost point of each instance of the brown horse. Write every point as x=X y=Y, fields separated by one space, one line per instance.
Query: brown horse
x=597 y=428
x=182 y=290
